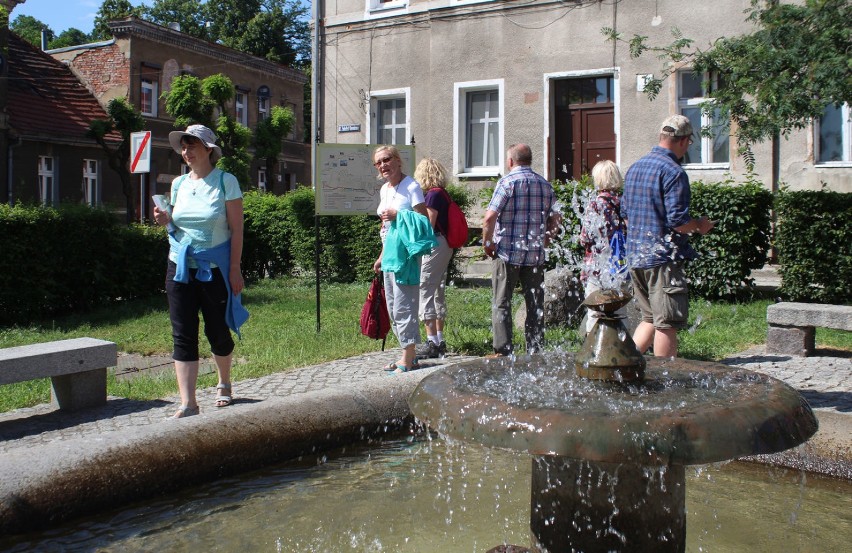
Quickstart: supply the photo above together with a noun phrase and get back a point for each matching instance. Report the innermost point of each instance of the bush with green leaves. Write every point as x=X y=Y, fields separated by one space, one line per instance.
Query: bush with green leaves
x=738 y=244
x=348 y=245
x=70 y=259
x=267 y=236
x=727 y=255
x=571 y=197
x=814 y=243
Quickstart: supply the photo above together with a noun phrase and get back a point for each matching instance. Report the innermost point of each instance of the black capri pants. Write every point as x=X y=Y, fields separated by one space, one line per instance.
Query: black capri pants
x=185 y=301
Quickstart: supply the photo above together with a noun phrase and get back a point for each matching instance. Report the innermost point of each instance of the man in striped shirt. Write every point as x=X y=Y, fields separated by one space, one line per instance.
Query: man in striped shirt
x=656 y=204
x=518 y=224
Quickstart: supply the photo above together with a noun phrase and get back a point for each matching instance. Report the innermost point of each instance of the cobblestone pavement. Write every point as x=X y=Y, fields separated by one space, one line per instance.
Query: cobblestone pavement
x=43 y=424
x=825 y=380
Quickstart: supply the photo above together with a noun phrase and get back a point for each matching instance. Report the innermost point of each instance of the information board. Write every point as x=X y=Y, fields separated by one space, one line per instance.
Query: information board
x=346 y=183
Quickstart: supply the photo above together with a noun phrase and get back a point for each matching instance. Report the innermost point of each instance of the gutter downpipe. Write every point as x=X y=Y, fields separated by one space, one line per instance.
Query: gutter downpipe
x=10 y=164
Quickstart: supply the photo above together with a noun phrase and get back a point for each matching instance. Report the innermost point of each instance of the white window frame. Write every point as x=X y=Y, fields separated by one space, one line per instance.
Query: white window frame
x=241 y=107
x=706 y=147
x=384 y=8
x=91 y=182
x=47 y=179
x=372 y=115
x=845 y=137
x=460 y=120
x=148 y=86
x=294 y=132
x=262 y=180
x=264 y=103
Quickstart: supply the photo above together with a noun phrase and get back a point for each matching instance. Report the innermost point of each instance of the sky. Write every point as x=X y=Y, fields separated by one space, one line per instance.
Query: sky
x=60 y=15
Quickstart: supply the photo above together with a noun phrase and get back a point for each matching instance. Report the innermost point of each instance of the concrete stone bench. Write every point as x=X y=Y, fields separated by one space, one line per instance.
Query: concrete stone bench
x=792 y=325
x=77 y=369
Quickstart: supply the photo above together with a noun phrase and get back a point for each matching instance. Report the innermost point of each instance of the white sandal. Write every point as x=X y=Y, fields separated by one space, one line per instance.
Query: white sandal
x=186 y=411
x=223 y=400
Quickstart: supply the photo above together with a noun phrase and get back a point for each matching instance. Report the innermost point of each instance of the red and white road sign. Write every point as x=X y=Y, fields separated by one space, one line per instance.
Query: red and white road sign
x=140 y=152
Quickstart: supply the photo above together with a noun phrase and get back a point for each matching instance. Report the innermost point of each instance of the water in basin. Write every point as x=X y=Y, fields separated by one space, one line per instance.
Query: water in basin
x=422 y=496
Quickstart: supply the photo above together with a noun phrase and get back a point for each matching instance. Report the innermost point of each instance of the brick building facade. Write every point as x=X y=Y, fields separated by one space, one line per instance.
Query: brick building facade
x=47 y=111
x=141 y=61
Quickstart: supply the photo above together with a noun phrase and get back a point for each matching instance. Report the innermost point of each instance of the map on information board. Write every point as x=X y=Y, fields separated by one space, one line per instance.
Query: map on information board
x=346 y=182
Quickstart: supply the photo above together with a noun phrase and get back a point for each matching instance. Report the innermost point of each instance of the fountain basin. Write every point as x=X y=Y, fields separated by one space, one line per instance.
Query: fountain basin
x=609 y=456
x=684 y=412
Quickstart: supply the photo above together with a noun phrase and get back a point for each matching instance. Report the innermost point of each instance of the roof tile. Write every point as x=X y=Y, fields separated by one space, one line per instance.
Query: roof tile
x=45 y=98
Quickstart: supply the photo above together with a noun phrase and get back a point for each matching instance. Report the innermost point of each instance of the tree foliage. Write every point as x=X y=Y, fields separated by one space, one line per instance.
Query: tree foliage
x=112 y=10
x=29 y=28
x=276 y=30
x=124 y=119
x=778 y=78
x=272 y=130
x=192 y=100
x=187 y=103
x=269 y=135
x=69 y=37
x=189 y=14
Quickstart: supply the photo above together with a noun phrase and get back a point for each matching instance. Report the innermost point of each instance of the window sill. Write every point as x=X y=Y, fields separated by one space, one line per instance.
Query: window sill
x=833 y=165
x=481 y=173
x=707 y=166
x=387 y=9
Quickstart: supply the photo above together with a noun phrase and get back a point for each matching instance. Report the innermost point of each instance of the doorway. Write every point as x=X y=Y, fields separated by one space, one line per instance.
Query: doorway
x=584 y=125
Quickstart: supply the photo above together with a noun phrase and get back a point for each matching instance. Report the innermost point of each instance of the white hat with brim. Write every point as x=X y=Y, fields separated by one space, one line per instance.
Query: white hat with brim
x=202 y=133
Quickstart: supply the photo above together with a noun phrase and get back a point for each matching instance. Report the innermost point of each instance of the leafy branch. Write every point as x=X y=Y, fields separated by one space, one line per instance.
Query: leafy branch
x=773 y=81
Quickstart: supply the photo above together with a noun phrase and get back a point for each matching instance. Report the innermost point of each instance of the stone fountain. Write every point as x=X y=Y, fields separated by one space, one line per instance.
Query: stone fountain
x=611 y=432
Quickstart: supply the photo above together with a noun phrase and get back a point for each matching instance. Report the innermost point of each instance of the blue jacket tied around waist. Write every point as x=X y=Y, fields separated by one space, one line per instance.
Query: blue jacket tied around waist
x=235 y=313
x=410 y=236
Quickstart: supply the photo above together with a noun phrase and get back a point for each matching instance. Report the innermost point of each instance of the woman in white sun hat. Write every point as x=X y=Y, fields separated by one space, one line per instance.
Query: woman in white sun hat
x=205 y=250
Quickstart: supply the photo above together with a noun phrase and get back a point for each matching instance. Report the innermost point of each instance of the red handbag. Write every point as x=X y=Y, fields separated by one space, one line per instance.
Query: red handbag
x=375 y=321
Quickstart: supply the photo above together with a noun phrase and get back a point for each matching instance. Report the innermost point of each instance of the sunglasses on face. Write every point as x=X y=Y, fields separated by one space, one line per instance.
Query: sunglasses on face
x=383 y=161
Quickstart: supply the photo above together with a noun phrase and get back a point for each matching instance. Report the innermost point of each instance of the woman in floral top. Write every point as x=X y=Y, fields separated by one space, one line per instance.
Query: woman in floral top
x=601 y=218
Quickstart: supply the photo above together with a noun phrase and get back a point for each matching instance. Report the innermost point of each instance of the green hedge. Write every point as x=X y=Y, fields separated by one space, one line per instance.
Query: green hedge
x=267 y=237
x=70 y=259
x=737 y=245
x=58 y=261
x=814 y=243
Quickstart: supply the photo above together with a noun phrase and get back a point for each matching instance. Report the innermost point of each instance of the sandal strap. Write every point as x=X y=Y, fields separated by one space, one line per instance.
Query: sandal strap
x=222 y=386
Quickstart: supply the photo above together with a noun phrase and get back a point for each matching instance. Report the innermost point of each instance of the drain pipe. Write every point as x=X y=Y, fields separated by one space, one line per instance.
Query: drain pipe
x=9 y=166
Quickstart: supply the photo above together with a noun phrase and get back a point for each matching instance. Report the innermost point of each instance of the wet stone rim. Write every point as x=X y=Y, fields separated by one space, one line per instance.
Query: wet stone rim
x=685 y=412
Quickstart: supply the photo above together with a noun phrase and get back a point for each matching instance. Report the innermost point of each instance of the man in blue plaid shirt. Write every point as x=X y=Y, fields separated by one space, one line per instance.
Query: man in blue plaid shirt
x=656 y=203
x=518 y=224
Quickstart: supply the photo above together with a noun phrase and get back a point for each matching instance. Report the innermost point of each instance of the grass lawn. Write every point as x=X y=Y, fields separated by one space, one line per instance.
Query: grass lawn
x=281 y=333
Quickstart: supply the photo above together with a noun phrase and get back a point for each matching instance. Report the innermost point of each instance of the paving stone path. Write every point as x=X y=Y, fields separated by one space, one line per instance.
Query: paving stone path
x=825 y=380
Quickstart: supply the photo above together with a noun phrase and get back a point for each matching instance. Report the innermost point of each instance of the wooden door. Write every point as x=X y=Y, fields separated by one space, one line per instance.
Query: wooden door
x=584 y=125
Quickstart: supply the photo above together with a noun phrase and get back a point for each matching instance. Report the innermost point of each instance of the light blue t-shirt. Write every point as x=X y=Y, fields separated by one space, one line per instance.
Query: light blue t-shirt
x=198 y=209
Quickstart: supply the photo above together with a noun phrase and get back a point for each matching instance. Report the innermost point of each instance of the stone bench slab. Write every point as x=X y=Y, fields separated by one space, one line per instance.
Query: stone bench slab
x=792 y=325
x=810 y=314
x=76 y=367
